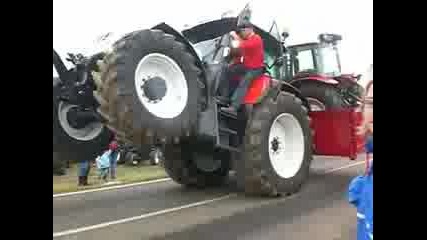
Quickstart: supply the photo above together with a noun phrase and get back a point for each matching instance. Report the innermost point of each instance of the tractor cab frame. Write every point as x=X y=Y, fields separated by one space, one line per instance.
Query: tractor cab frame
x=315 y=58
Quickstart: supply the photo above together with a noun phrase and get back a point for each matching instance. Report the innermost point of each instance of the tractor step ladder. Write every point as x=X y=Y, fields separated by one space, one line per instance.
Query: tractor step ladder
x=223 y=102
x=227 y=114
x=227 y=130
x=229 y=148
x=224 y=131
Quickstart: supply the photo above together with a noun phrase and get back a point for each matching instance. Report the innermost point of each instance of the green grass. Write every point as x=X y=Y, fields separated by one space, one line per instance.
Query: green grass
x=125 y=174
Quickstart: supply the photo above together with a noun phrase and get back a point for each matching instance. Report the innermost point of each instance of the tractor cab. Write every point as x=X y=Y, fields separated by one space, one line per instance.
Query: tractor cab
x=315 y=65
x=214 y=50
x=319 y=58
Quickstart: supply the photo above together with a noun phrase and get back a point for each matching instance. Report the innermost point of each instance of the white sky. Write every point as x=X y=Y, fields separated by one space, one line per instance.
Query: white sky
x=77 y=23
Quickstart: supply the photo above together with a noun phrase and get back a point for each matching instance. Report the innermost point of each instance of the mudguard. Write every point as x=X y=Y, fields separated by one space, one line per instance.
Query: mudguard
x=292 y=89
x=317 y=77
x=169 y=30
x=258 y=88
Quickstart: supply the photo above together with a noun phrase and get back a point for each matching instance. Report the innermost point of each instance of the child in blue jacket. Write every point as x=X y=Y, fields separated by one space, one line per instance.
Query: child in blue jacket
x=107 y=162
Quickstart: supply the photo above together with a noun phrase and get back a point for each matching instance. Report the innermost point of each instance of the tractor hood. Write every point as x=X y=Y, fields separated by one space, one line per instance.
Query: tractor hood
x=325 y=78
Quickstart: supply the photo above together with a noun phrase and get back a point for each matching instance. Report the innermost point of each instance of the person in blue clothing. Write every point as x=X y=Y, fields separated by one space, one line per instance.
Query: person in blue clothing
x=360 y=195
x=360 y=192
x=84 y=169
x=107 y=163
x=103 y=165
x=114 y=157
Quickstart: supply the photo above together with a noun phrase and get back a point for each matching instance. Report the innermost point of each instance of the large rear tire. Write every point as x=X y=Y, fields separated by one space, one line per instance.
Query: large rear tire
x=149 y=59
x=179 y=163
x=277 y=147
x=322 y=96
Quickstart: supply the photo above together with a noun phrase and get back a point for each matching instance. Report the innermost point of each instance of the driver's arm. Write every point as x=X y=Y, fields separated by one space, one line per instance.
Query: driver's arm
x=251 y=43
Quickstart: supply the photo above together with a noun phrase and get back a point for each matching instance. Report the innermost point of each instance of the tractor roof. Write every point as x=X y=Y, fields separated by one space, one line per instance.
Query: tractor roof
x=214 y=29
x=304 y=46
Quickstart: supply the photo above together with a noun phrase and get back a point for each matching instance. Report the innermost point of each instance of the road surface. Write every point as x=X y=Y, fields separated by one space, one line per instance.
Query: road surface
x=165 y=210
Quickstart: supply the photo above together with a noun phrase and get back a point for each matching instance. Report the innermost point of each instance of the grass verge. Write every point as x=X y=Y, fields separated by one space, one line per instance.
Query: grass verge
x=125 y=174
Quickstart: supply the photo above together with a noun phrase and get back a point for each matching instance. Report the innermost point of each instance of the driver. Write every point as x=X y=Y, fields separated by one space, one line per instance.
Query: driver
x=250 y=52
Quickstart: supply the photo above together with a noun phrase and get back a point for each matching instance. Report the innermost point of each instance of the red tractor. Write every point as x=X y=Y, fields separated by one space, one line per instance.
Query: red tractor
x=315 y=69
x=334 y=98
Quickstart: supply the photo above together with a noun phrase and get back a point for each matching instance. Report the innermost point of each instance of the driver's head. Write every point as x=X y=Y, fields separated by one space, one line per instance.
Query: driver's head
x=244 y=25
x=245 y=30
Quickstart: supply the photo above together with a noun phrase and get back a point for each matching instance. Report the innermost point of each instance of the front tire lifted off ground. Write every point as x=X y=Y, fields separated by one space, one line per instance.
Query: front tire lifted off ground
x=277 y=147
x=148 y=86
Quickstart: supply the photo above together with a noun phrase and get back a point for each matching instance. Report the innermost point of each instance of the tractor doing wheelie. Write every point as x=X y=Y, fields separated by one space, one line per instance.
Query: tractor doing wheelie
x=159 y=82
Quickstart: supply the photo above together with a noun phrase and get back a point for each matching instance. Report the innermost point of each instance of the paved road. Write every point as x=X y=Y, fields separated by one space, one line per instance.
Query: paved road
x=167 y=211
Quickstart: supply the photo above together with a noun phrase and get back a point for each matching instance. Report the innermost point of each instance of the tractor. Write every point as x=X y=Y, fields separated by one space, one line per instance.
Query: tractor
x=165 y=83
x=315 y=69
x=78 y=131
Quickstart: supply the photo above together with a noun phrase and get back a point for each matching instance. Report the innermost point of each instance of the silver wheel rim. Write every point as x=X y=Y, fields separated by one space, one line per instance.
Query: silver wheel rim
x=88 y=133
x=287 y=156
x=175 y=100
x=316 y=105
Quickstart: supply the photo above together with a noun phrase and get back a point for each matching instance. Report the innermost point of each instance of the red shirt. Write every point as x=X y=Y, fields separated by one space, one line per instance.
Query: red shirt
x=252 y=50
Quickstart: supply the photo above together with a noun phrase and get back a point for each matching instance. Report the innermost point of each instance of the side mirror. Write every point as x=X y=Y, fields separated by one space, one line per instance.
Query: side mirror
x=285 y=33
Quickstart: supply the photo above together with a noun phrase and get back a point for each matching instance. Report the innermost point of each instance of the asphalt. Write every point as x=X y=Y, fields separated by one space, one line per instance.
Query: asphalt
x=319 y=211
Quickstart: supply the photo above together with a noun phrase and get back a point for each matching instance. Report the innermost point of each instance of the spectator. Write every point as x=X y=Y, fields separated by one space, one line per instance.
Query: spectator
x=84 y=169
x=114 y=157
x=107 y=163
x=360 y=191
x=103 y=165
